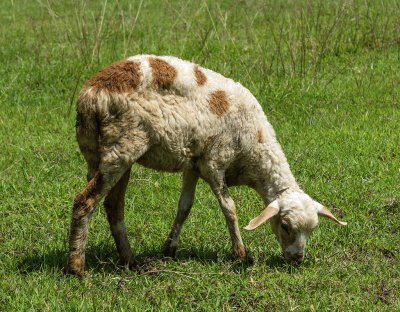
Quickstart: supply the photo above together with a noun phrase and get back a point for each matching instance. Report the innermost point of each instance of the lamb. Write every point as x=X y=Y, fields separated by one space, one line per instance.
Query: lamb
x=172 y=115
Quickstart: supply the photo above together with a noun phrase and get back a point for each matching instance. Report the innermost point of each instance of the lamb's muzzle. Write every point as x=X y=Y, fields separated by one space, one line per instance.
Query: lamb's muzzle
x=171 y=115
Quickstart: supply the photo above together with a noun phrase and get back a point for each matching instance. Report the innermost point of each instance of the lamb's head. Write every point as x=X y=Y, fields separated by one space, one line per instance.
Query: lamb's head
x=293 y=216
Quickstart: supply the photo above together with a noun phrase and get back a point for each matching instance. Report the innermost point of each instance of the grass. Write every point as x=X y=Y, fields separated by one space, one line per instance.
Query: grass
x=328 y=76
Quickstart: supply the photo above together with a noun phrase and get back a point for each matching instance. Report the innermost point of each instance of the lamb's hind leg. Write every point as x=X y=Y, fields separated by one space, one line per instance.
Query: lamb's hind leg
x=83 y=208
x=186 y=198
x=111 y=168
x=114 y=204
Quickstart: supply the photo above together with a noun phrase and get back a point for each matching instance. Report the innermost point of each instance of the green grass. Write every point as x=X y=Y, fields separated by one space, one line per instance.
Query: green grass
x=328 y=76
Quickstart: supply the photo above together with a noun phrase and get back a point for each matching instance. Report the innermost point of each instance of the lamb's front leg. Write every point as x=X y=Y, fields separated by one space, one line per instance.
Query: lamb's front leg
x=190 y=179
x=227 y=204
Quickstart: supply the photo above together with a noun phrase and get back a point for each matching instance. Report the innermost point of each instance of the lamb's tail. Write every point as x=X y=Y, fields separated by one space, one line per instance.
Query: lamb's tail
x=87 y=129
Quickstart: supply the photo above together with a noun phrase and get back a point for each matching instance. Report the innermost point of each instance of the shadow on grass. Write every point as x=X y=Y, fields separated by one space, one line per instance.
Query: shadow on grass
x=280 y=264
x=104 y=258
x=55 y=260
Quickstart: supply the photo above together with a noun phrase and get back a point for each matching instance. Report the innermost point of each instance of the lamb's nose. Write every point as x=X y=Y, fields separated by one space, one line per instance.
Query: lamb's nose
x=294 y=258
x=298 y=258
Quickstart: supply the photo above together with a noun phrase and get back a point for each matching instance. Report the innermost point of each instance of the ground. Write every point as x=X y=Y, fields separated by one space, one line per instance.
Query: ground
x=327 y=74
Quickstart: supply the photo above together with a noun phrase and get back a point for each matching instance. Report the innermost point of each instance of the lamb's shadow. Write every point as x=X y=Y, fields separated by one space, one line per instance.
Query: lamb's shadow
x=280 y=264
x=104 y=258
x=55 y=260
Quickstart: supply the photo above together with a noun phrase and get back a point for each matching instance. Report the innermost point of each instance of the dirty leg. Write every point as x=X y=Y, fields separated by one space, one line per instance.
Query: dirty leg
x=84 y=205
x=185 y=204
x=227 y=205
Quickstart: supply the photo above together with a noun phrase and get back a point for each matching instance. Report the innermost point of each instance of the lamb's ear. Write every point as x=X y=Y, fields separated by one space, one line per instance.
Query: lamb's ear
x=324 y=212
x=271 y=210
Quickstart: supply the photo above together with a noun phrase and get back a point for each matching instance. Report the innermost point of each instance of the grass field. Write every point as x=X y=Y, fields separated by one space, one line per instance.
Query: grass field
x=328 y=76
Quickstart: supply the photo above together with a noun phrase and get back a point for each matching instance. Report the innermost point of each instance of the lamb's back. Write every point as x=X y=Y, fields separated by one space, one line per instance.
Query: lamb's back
x=185 y=109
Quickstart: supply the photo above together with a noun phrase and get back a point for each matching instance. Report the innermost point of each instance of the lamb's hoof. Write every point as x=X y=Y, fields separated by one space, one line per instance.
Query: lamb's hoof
x=133 y=265
x=127 y=258
x=249 y=258
x=168 y=250
x=242 y=254
x=76 y=265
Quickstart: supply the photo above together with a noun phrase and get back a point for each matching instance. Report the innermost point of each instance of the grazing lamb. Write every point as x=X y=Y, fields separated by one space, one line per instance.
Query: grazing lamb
x=171 y=115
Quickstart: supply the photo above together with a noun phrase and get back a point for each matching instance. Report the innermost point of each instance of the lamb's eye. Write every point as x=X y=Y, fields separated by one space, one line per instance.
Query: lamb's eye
x=285 y=227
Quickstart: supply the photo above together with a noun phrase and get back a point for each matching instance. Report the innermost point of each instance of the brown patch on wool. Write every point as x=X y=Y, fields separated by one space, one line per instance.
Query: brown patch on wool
x=120 y=77
x=85 y=200
x=164 y=74
x=218 y=102
x=260 y=137
x=199 y=75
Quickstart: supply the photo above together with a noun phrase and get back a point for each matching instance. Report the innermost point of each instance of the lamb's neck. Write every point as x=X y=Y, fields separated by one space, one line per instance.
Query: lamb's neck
x=275 y=176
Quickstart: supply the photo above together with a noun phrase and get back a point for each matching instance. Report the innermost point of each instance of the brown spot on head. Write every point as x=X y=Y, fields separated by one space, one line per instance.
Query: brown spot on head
x=260 y=137
x=122 y=76
x=218 y=102
x=199 y=75
x=163 y=73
